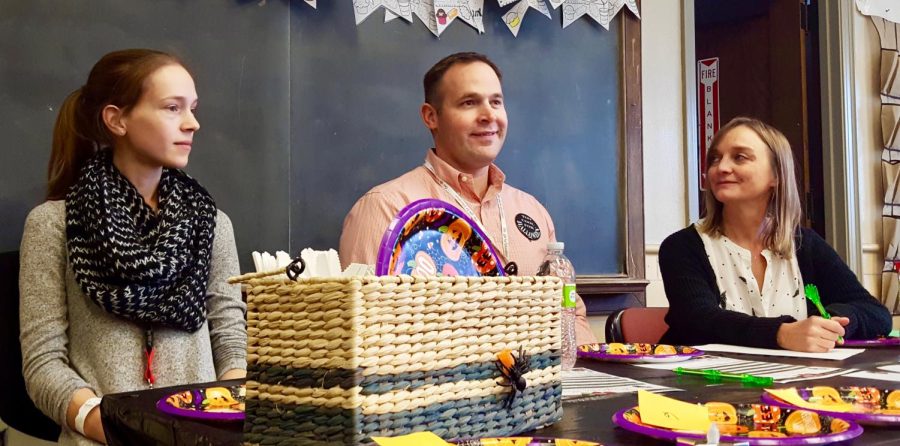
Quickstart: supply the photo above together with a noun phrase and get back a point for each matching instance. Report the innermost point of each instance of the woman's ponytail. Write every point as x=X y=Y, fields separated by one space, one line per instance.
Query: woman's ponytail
x=72 y=147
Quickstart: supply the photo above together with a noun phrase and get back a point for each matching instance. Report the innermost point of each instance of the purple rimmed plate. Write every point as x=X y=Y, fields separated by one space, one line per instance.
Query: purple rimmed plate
x=879 y=342
x=432 y=237
x=622 y=352
x=522 y=441
x=756 y=424
x=872 y=406
x=206 y=403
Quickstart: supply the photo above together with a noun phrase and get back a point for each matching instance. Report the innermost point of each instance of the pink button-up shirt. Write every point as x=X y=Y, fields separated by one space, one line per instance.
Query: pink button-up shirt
x=529 y=225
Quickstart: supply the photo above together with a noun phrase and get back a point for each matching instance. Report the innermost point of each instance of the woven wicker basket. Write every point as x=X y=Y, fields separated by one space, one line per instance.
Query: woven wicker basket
x=336 y=361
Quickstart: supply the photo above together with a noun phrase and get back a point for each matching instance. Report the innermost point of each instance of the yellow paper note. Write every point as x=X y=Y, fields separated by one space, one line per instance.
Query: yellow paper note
x=662 y=411
x=416 y=439
x=791 y=396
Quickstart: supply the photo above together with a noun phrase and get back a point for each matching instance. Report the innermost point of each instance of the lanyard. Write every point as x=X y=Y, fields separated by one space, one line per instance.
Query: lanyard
x=149 y=353
x=468 y=210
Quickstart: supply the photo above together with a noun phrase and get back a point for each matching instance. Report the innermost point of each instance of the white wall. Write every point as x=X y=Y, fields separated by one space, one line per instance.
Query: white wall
x=665 y=208
x=866 y=53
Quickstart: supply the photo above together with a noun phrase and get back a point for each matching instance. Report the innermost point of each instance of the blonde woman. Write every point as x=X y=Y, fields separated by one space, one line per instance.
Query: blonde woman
x=738 y=276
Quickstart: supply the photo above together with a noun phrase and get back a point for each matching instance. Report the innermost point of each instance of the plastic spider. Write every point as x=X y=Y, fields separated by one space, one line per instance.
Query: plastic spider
x=512 y=370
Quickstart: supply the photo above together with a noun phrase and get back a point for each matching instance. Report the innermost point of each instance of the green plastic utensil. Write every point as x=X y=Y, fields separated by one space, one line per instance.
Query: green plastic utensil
x=812 y=293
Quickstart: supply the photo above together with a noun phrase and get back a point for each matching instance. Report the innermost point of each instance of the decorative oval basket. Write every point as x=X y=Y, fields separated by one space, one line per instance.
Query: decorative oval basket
x=338 y=360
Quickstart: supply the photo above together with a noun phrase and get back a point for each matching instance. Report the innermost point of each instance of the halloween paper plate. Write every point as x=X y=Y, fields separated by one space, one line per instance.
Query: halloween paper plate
x=619 y=352
x=523 y=441
x=868 y=343
x=756 y=424
x=209 y=403
x=864 y=405
x=432 y=237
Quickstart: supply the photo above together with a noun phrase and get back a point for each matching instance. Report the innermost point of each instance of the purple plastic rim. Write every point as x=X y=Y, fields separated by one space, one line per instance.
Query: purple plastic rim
x=854 y=431
x=647 y=358
x=165 y=407
x=389 y=239
x=883 y=342
x=535 y=441
x=870 y=419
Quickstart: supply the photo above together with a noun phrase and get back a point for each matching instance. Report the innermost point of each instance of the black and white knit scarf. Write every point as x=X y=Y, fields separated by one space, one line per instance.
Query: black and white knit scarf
x=145 y=267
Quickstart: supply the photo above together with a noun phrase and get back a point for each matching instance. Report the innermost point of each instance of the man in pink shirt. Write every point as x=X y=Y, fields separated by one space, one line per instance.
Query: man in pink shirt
x=465 y=112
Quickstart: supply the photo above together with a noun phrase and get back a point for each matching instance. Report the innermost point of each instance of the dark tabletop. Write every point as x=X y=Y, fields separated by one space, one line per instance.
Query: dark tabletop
x=592 y=419
x=132 y=418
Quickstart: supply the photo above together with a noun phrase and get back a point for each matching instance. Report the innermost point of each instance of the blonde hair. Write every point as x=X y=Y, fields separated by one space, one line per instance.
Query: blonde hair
x=783 y=211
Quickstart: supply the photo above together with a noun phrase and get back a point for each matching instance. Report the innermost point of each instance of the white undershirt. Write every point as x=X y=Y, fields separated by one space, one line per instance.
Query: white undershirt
x=782 y=293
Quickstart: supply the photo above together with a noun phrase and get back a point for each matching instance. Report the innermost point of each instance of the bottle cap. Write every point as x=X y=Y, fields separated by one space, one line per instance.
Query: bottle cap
x=556 y=245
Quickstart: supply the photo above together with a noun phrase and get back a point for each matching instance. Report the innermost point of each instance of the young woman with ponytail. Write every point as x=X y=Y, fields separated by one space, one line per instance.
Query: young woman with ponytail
x=124 y=267
x=738 y=276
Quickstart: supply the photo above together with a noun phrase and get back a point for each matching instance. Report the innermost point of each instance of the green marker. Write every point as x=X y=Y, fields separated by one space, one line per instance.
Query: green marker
x=812 y=293
x=715 y=375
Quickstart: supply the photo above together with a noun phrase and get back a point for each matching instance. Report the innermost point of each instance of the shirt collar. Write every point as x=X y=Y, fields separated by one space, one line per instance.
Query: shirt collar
x=462 y=182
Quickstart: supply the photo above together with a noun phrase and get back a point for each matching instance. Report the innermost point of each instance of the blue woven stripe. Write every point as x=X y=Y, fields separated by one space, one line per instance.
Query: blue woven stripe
x=304 y=378
x=286 y=424
x=379 y=384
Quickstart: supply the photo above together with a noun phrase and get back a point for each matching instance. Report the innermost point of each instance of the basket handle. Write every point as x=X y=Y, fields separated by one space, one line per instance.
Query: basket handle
x=293 y=271
x=295 y=268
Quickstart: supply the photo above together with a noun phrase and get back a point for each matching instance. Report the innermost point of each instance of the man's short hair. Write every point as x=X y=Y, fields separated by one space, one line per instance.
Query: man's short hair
x=436 y=73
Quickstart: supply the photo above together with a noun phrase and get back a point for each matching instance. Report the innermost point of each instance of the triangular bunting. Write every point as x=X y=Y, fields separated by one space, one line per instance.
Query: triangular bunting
x=516 y=15
x=362 y=9
x=469 y=11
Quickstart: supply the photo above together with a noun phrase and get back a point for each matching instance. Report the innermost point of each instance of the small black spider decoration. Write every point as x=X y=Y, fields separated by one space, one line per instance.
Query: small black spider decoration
x=512 y=370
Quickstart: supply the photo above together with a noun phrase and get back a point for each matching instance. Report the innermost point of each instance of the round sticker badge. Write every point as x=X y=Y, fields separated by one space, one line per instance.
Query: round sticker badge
x=528 y=227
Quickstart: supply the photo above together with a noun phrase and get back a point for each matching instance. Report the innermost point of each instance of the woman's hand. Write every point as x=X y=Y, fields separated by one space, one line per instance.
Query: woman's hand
x=813 y=334
x=233 y=374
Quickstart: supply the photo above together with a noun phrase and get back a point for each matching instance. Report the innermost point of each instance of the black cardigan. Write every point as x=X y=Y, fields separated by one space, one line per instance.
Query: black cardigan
x=695 y=316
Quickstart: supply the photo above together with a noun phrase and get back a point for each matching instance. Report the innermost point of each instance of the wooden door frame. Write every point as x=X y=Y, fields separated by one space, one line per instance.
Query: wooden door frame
x=839 y=138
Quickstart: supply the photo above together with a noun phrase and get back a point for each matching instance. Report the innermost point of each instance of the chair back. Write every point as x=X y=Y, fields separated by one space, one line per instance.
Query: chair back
x=16 y=408
x=637 y=325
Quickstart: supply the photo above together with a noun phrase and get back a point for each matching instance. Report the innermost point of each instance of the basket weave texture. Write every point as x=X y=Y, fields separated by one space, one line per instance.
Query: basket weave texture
x=339 y=360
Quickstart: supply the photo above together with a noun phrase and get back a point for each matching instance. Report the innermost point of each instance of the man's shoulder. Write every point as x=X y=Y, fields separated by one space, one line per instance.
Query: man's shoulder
x=521 y=196
x=413 y=177
x=393 y=194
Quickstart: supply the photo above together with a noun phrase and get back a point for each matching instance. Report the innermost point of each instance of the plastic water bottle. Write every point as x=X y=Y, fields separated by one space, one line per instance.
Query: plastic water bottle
x=557 y=264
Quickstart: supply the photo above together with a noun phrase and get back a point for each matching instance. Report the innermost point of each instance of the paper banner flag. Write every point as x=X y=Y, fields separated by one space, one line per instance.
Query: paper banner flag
x=310 y=3
x=632 y=6
x=602 y=11
x=423 y=9
x=503 y=3
x=516 y=15
x=362 y=9
x=469 y=11
x=405 y=11
x=880 y=8
x=474 y=15
x=555 y=3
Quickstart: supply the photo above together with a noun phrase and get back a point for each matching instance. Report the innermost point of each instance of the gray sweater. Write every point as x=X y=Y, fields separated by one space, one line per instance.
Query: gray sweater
x=69 y=342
